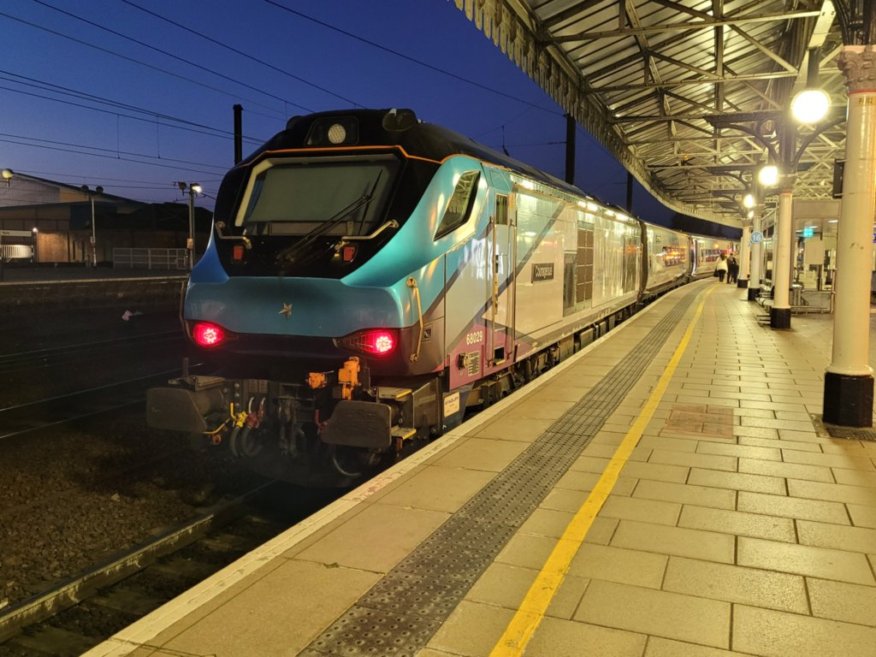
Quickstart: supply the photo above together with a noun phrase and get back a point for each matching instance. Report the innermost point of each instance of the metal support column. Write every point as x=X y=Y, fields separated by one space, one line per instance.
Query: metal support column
x=570 y=149
x=848 y=381
x=238 y=133
x=190 y=242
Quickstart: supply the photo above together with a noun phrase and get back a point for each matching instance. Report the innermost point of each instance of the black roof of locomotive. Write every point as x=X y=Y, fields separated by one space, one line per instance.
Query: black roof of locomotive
x=417 y=138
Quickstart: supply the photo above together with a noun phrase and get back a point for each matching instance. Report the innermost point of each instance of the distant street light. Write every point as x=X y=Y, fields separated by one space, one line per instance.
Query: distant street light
x=192 y=189
x=6 y=175
x=97 y=190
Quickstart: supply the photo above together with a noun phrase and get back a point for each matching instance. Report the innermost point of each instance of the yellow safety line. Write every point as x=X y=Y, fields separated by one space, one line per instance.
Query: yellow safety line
x=520 y=630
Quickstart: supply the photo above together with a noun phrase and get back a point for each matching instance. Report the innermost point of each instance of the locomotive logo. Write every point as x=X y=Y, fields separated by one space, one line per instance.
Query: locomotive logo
x=286 y=310
x=542 y=271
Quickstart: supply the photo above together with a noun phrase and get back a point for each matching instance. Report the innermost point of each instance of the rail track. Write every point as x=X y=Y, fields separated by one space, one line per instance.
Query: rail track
x=73 y=615
x=61 y=355
x=31 y=416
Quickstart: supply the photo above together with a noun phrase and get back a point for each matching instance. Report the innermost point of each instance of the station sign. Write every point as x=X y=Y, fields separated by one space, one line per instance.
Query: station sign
x=16 y=233
x=756 y=237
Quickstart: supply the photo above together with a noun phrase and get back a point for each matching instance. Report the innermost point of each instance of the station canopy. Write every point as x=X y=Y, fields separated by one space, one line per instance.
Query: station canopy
x=691 y=96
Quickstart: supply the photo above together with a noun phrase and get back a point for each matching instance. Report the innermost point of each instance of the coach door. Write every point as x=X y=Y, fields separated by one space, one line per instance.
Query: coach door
x=500 y=279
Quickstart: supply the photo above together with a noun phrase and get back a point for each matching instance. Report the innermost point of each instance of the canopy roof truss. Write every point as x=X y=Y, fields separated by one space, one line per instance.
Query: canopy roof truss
x=691 y=96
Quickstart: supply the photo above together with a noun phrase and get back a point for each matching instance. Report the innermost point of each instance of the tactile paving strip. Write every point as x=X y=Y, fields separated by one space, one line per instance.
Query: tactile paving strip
x=851 y=433
x=401 y=613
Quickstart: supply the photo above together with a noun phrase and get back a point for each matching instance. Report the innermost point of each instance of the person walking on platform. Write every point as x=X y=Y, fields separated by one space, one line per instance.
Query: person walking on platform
x=732 y=268
x=721 y=268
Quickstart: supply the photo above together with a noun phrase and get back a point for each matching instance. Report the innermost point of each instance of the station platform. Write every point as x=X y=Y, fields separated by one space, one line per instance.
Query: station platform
x=668 y=491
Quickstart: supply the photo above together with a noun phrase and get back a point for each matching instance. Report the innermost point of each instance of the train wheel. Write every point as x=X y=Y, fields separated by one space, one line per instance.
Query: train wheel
x=528 y=373
x=352 y=461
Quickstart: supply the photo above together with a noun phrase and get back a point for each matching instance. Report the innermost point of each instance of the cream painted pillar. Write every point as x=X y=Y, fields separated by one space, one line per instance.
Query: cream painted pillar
x=756 y=254
x=744 y=255
x=848 y=382
x=780 y=313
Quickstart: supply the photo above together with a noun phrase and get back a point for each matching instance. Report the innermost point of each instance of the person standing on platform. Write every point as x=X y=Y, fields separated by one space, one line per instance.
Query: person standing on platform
x=721 y=268
x=732 y=268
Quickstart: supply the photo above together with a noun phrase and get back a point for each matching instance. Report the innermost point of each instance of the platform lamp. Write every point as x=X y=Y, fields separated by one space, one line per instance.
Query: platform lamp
x=6 y=175
x=91 y=193
x=747 y=247
x=808 y=107
x=192 y=189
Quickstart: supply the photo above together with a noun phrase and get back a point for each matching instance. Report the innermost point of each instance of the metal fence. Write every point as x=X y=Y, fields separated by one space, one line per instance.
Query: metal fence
x=801 y=300
x=150 y=258
x=813 y=301
x=10 y=252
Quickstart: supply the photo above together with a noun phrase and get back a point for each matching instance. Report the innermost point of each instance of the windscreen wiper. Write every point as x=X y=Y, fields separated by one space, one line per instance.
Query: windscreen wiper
x=287 y=255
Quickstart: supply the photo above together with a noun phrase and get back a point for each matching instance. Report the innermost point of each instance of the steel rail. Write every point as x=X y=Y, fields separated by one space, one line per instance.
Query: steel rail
x=75 y=590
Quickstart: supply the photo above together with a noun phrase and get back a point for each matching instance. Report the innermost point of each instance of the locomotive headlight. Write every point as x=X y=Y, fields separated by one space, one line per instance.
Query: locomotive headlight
x=333 y=131
x=337 y=134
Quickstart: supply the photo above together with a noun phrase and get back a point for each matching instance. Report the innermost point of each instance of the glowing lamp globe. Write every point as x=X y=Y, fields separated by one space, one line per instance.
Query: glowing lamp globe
x=810 y=106
x=768 y=176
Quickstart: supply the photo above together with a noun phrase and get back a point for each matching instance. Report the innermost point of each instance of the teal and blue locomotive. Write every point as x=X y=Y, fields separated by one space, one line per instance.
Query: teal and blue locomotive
x=370 y=277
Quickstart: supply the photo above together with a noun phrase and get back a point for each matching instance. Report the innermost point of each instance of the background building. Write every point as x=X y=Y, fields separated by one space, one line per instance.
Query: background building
x=59 y=216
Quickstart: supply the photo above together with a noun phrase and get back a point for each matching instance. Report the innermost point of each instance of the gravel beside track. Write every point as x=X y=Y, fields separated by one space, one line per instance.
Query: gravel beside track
x=72 y=497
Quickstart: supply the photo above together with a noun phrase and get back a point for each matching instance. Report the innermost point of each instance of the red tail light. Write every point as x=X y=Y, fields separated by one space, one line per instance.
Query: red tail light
x=206 y=334
x=378 y=342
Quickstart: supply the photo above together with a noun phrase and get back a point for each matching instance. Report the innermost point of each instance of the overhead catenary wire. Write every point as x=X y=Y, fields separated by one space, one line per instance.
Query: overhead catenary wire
x=244 y=54
x=408 y=58
x=184 y=124
x=166 y=53
x=102 y=179
x=214 y=132
x=109 y=182
x=175 y=122
x=108 y=153
x=134 y=60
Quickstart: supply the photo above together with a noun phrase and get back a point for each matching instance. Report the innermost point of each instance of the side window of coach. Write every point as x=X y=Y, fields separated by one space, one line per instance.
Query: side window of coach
x=460 y=204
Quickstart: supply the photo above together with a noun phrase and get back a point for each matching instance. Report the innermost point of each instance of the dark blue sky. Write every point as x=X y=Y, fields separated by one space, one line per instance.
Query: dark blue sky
x=135 y=100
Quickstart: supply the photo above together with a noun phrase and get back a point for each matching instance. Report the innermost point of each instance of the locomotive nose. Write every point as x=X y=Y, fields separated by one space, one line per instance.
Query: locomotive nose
x=299 y=307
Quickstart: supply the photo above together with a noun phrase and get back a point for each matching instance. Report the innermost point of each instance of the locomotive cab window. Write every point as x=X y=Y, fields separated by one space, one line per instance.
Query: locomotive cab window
x=501 y=210
x=460 y=204
x=294 y=198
